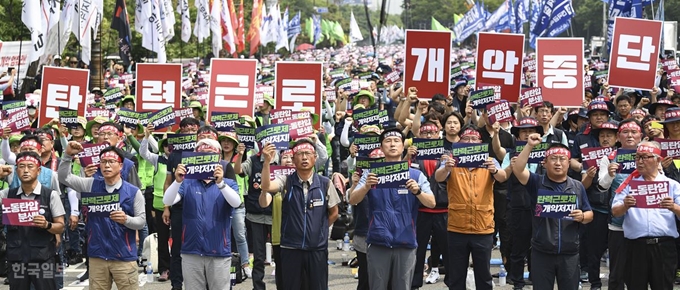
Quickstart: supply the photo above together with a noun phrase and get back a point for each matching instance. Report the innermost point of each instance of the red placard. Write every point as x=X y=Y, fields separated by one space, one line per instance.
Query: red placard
x=62 y=87
x=649 y=194
x=232 y=86
x=427 y=65
x=635 y=53
x=299 y=85
x=499 y=62
x=19 y=212
x=158 y=86
x=559 y=70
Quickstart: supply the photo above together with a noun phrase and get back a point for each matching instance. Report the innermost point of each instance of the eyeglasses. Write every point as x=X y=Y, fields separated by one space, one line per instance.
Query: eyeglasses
x=74 y=62
x=108 y=162
x=644 y=158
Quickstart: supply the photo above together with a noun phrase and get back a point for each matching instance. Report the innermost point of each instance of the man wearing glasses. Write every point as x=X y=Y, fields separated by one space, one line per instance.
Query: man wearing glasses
x=113 y=253
x=309 y=207
x=470 y=214
x=555 y=242
x=649 y=233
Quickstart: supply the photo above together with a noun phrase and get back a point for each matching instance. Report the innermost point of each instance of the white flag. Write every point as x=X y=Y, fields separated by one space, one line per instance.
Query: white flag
x=88 y=15
x=59 y=35
x=141 y=12
x=202 y=20
x=265 y=35
x=168 y=19
x=354 y=31
x=99 y=13
x=29 y=13
x=153 y=38
x=281 y=29
x=216 y=27
x=183 y=8
x=227 y=27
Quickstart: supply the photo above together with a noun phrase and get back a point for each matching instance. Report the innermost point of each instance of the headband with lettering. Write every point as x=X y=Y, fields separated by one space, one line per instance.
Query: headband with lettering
x=287 y=152
x=638 y=112
x=109 y=128
x=30 y=143
x=110 y=155
x=376 y=153
x=46 y=136
x=630 y=125
x=303 y=146
x=649 y=149
x=209 y=133
x=471 y=132
x=558 y=151
x=30 y=159
x=429 y=128
x=393 y=134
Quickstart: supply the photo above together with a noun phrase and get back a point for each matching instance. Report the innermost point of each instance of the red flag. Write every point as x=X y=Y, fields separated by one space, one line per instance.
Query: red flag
x=240 y=31
x=255 y=23
x=234 y=24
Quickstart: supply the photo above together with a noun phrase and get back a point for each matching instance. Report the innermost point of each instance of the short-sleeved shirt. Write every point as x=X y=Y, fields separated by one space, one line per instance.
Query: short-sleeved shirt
x=331 y=193
x=534 y=184
x=56 y=207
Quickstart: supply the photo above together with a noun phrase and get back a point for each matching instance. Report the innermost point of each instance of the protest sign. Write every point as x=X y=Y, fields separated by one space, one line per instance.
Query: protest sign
x=224 y=121
x=143 y=118
x=366 y=117
x=245 y=135
x=127 y=118
x=300 y=128
x=182 y=142
x=292 y=116
x=537 y=153
x=669 y=148
x=344 y=84
x=17 y=121
x=456 y=72
x=91 y=113
x=648 y=194
x=276 y=134
x=499 y=112
x=587 y=82
x=366 y=143
x=429 y=149
x=260 y=92
x=111 y=98
x=162 y=119
x=9 y=107
x=553 y=204
x=626 y=160
x=90 y=154
x=393 y=77
x=19 y=212
x=391 y=174
x=480 y=98
x=276 y=114
x=384 y=118
x=363 y=162
x=268 y=80
x=591 y=156
x=280 y=170
x=337 y=73
x=470 y=155
x=329 y=93
x=531 y=97
x=180 y=114
x=496 y=89
x=199 y=165
x=100 y=204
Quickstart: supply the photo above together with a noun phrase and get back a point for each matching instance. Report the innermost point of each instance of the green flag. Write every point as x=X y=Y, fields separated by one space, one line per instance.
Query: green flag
x=436 y=26
x=337 y=33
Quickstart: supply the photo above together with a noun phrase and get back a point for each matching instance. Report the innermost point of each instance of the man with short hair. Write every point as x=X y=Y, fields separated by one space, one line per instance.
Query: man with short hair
x=111 y=249
x=31 y=250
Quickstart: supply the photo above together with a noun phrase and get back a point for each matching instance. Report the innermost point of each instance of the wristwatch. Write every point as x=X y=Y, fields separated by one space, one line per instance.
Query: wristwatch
x=49 y=226
x=419 y=192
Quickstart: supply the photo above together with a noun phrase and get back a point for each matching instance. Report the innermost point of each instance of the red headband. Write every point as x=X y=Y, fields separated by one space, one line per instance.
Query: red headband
x=110 y=155
x=287 y=152
x=471 y=132
x=429 y=127
x=30 y=143
x=376 y=153
x=630 y=125
x=638 y=112
x=109 y=128
x=206 y=146
x=30 y=159
x=558 y=151
x=649 y=149
x=46 y=136
x=303 y=146
x=210 y=133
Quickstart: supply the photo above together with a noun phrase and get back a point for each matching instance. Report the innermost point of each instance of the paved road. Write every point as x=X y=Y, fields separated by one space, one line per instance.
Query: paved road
x=340 y=278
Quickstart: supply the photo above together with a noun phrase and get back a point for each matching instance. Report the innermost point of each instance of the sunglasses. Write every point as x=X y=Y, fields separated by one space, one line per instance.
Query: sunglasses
x=74 y=62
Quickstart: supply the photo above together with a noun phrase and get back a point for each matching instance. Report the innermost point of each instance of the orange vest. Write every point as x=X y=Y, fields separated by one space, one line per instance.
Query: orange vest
x=470 y=201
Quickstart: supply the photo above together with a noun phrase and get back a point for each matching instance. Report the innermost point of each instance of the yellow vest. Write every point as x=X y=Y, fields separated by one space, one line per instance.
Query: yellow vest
x=470 y=201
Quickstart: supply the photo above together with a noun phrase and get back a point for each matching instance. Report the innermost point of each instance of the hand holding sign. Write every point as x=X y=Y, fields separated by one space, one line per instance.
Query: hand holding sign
x=371 y=180
x=118 y=216
x=40 y=221
x=613 y=168
x=577 y=215
x=180 y=171
x=269 y=152
x=412 y=186
x=668 y=202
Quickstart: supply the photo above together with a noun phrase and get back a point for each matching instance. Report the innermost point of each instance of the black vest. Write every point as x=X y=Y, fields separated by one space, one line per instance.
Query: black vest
x=254 y=190
x=441 y=197
x=31 y=244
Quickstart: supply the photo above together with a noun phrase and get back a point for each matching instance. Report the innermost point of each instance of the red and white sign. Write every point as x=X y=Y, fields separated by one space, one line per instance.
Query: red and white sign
x=559 y=70
x=299 y=85
x=62 y=87
x=427 y=64
x=635 y=53
x=499 y=62
x=19 y=212
x=158 y=86
x=232 y=86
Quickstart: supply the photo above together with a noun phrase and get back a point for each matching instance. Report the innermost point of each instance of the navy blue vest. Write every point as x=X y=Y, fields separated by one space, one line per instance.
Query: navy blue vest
x=304 y=222
x=31 y=244
x=254 y=190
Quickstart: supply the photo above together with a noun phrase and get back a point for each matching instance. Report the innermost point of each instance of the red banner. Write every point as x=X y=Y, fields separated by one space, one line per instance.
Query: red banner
x=649 y=194
x=559 y=70
x=19 y=212
x=499 y=62
x=427 y=64
x=90 y=154
x=18 y=120
x=635 y=53
x=158 y=86
x=232 y=86
x=62 y=87
x=299 y=85
x=592 y=155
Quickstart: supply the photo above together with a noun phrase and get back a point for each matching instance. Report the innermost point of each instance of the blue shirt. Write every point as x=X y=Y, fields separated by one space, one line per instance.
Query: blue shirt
x=645 y=222
x=423 y=183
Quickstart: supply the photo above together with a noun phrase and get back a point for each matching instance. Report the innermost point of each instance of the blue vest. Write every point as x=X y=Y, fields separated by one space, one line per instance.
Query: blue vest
x=44 y=177
x=304 y=222
x=124 y=172
x=206 y=217
x=110 y=240
x=393 y=215
x=361 y=217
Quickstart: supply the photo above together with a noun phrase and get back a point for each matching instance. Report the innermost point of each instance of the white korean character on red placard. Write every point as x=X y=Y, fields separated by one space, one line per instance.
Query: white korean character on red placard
x=157 y=95
x=434 y=57
x=499 y=64
x=298 y=92
x=560 y=71
x=231 y=85
x=61 y=96
x=634 y=58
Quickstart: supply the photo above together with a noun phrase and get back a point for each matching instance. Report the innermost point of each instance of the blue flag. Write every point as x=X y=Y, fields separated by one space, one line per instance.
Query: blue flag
x=536 y=8
x=294 y=26
x=521 y=15
x=617 y=8
x=555 y=18
x=472 y=22
x=660 y=15
x=317 y=28
x=495 y=19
